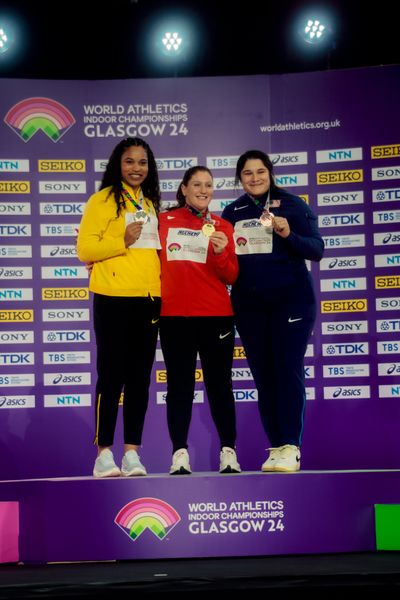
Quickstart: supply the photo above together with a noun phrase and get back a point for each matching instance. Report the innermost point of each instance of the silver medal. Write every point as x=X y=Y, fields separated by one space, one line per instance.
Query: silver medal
x=141 y=216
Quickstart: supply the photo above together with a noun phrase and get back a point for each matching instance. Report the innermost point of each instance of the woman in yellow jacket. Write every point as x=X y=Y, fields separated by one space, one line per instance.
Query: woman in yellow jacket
x=119 y=235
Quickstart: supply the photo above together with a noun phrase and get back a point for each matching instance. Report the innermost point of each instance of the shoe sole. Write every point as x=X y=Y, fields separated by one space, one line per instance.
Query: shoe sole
x=181 y=471
x=134 y=473
x=113 y=473
x=268 y=469
x=230 y=469
x=287 y=469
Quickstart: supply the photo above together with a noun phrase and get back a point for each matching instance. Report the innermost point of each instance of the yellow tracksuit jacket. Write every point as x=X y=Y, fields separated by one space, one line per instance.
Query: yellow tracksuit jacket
x=117 y=271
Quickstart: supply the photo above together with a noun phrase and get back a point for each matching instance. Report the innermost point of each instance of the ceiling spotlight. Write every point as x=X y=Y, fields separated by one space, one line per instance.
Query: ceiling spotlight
x=172 y=42
x=315 y=31
x=4 y=40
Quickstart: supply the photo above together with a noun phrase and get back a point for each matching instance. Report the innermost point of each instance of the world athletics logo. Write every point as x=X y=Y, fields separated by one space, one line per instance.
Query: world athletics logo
x=147 y=513
x=29 y=116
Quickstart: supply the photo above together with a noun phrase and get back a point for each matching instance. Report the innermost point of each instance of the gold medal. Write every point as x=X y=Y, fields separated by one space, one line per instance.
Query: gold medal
x=208 y=229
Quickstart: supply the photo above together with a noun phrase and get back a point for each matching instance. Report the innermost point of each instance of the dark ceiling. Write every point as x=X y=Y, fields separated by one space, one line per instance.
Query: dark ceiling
x=114 y=39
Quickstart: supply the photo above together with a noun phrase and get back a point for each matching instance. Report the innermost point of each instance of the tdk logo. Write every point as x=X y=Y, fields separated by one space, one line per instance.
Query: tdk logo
x=61 y=208
x=176 y=164
x=17 y=358
x=56 y=337
x=245 y=395
x=385 y=195
x=388 y=325
x=341 y=220
x=13 y=230
x=344 y=349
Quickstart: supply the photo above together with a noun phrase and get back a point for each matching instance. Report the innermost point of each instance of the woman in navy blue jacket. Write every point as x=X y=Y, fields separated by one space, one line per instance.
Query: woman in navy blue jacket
x=274 y=300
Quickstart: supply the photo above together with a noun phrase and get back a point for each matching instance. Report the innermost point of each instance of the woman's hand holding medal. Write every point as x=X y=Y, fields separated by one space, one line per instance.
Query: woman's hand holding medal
x=219 y=241
x=132 y=233
x=281 y=226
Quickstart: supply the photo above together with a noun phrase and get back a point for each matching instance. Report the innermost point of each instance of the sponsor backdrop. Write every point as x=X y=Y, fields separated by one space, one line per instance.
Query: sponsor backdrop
x=335 y=140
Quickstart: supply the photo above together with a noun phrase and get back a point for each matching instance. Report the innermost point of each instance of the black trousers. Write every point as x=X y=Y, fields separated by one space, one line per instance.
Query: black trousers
x=126 y=336
x=275 y=330
x=213 y=338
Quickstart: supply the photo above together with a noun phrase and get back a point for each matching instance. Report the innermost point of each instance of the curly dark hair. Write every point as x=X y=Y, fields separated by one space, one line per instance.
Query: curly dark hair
x=112 y=174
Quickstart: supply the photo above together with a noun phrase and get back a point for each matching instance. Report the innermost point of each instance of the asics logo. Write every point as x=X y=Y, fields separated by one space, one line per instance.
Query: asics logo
x=290 y=320
x=223 y=335
x=240 y=207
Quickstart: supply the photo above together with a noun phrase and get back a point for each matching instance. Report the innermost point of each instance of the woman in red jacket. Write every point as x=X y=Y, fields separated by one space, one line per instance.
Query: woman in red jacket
x=198 y=261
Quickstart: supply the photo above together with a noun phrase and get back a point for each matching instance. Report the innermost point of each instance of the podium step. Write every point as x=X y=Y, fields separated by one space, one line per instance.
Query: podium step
x=199 y=515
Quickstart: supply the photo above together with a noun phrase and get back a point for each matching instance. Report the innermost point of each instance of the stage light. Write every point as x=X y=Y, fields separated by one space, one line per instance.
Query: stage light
x=313 y=36
x=172 y=42
x=314 y=31
x=6 y=38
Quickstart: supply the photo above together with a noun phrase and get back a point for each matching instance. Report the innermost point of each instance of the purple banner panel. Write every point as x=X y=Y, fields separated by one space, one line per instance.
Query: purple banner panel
x=199 y=516
x=334 y=138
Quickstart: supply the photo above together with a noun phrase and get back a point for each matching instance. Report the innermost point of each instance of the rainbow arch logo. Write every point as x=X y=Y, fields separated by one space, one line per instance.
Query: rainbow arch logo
x=174 y=247
x=147 y=513
x=31 y=115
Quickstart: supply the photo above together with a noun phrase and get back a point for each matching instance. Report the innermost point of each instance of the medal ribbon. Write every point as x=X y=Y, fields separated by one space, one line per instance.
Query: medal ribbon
x=127 y=196
x=205 y=216
x=264 y=206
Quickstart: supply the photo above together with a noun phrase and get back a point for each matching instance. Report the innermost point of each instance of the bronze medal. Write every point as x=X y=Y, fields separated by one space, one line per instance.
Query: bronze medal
x=266 y=218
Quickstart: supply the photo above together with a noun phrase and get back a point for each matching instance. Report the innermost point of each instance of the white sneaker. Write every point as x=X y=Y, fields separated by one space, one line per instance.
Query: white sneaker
x=180 y=463
x=228 y=461
x=270 y=463
x=105 y=465
x=288 y=460
x=131 y=464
